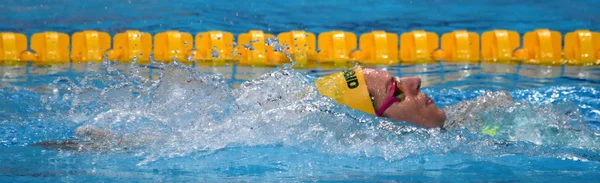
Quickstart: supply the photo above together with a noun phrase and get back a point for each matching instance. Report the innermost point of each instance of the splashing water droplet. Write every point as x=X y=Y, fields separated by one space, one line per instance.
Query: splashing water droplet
x=214 y=53
x=272 y=41
x=248 y=46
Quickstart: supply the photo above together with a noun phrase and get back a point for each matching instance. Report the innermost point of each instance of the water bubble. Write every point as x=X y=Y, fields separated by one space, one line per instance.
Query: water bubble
x=214 y=53
x=248 y=47
x=272 y=41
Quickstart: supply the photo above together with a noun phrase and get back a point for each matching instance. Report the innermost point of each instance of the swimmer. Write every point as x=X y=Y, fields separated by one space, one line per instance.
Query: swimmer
x=379 y=93
x=371 y=91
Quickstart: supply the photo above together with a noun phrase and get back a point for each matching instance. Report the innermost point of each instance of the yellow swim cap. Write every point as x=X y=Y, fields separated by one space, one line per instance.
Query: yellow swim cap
x=348 y=88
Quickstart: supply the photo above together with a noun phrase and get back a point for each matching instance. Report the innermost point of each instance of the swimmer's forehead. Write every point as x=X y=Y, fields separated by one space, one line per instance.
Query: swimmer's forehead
x=377 y=79
x=377 y=73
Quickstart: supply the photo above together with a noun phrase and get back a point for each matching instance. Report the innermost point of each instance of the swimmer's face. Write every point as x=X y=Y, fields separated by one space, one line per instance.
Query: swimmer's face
x=416 y=107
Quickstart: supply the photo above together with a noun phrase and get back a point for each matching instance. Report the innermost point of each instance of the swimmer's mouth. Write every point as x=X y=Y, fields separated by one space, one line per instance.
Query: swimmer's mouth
x=429 y=101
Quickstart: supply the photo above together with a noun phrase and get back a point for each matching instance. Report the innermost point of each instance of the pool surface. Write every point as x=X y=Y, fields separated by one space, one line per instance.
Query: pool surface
x=232 y=123
x=187 y=125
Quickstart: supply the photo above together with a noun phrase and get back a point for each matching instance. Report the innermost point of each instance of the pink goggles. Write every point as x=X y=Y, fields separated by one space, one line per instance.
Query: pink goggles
x=395 y=94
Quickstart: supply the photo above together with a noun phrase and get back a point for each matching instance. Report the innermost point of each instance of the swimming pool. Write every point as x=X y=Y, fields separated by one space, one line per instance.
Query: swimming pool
x=236 y=123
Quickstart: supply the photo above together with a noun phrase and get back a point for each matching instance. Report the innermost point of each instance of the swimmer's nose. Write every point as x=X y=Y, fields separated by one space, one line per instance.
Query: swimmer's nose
x=411 y=85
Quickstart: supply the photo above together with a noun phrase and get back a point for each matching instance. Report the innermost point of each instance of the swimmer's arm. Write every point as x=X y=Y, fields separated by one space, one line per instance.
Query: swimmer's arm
x=95 y=139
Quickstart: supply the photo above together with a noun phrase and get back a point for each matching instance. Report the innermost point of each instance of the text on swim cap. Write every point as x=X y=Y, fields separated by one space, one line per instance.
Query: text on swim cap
x=351 y=80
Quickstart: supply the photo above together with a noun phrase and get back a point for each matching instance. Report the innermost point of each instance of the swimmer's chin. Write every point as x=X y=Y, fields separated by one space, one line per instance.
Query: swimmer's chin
x=433 y=119
x=437 y=120
x=443 y=119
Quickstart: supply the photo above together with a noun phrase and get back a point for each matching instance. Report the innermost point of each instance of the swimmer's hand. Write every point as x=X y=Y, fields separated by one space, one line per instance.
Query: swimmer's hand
x=90 y=138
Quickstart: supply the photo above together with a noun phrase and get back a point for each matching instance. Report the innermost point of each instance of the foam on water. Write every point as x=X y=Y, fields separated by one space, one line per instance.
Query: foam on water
x=186 y=111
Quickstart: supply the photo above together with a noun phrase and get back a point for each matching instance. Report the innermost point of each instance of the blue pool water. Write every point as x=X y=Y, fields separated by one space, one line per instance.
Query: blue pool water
x=174 y=123
x=188 y=125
